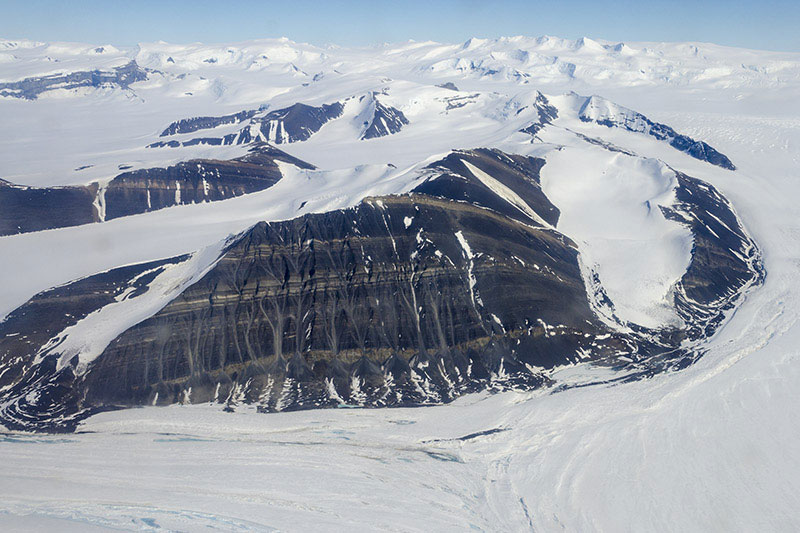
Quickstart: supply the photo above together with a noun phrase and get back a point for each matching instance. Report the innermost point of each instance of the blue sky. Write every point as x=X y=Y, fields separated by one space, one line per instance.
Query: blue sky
x=765 y=24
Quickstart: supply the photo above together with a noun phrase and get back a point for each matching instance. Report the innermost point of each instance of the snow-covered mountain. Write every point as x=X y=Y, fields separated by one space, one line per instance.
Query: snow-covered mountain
x=276 y=226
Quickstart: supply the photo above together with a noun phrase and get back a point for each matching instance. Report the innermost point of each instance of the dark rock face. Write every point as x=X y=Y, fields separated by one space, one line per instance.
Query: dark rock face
x=201 y=180
x=724 y=258
x=697 y=149
x=25 y=209
x=385 y=120
x=290 y=124
x=403 y=300
x=30 y=88
x=448 y=85
x=454 y=180
x=189 y=125
x=296 y=123
x=39 y=395
x=633 y=121
x=547 y=114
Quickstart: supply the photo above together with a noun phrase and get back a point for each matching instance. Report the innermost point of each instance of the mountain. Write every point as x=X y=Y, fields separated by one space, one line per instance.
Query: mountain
x=290 y=227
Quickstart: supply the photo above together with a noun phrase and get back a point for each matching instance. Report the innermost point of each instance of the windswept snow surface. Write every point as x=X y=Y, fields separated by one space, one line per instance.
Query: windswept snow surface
x=714 y=447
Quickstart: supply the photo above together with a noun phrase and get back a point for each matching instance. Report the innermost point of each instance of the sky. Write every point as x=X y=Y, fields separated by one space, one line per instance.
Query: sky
x=764 y=24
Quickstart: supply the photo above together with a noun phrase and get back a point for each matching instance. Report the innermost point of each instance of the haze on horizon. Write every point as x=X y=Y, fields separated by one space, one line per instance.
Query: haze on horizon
x=767 y=25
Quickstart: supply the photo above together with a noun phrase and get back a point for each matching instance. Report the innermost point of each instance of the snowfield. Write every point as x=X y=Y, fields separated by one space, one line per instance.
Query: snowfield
x=713 y=447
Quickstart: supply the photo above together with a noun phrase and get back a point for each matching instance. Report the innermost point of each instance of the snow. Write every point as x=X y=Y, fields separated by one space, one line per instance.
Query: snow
x=99 y=202
x=468 y=255
x=599 y=109
x=505 y=193
x=610 y=202
x=89 y=337
x=712 y=447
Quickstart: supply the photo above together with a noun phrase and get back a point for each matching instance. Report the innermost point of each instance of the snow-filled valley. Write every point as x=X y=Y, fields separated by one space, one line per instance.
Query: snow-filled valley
x=709 y=447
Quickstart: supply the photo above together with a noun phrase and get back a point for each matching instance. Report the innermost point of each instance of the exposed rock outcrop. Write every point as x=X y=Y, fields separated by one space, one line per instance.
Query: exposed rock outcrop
x=119 y=77
x=24 y=209
x=603 y=112
x=36 y=393
x=190 y=125
x=724 y=258
x=295 y=123
x=421 y=289
x=506 y=183
x=547 y=114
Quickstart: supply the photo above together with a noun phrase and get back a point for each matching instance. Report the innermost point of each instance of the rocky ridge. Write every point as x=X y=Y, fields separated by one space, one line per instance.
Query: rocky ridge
x=460 y=285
